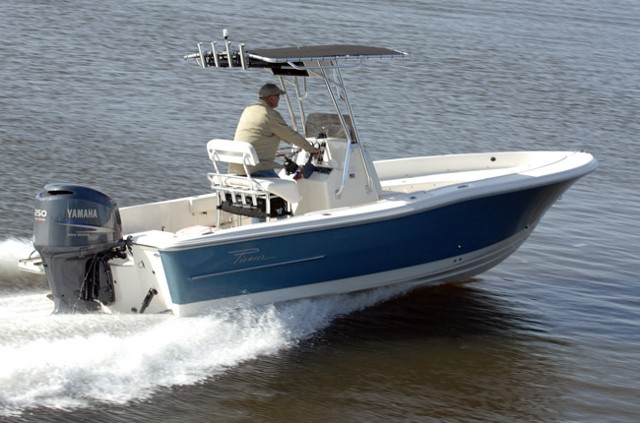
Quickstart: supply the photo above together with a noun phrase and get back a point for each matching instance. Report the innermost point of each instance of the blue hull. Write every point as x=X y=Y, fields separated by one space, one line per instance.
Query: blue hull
x=267 y=263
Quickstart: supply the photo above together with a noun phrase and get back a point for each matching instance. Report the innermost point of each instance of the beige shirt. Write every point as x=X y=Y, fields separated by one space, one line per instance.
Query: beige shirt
x=264 y=128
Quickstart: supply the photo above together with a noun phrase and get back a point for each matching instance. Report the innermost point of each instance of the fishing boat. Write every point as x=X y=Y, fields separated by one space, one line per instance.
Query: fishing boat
x=331 y=223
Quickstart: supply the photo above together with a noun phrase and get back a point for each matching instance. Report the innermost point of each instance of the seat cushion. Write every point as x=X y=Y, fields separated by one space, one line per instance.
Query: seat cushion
x=284 y=188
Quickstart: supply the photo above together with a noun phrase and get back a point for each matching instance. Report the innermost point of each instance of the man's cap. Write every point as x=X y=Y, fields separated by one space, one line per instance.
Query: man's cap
x=270 y=89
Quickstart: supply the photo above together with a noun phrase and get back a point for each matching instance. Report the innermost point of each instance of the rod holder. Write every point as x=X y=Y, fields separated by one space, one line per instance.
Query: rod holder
x=241 y=53
x=203 y=63
x=214 y=53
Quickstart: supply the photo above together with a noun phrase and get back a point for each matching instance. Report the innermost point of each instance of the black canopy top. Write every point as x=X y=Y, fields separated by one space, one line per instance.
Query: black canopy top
x=322 y=52
x=291 y=60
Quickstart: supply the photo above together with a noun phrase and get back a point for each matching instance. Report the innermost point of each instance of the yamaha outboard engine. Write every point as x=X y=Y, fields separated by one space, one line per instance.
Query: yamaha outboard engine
x=76 y=231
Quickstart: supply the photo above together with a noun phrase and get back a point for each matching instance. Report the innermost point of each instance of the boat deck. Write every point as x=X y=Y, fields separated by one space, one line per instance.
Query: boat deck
x=194 y=216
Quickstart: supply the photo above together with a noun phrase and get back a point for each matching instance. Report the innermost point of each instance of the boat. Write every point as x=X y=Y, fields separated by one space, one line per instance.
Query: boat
x=333 y=223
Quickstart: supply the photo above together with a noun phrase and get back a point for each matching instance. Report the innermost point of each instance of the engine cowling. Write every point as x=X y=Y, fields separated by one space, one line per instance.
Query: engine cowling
x=77 y=229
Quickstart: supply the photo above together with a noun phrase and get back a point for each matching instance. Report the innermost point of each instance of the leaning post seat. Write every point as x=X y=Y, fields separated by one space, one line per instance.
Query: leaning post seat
x=245 y=195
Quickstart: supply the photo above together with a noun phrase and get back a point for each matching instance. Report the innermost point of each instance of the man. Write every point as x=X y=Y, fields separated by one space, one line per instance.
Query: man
x=263 y=127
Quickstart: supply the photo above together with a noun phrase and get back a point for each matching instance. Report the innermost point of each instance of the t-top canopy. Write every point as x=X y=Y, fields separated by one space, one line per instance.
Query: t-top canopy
x=289 y=63
x=323 y=52
x=290 y=60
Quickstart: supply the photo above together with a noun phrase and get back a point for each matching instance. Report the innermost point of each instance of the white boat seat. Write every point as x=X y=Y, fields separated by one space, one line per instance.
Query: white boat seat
x=246 y=189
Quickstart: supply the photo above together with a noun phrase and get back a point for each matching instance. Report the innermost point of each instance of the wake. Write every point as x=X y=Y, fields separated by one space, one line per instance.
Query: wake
x=76 y=361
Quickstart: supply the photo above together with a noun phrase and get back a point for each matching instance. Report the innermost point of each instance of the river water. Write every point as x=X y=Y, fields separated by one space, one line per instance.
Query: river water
x=98 y=93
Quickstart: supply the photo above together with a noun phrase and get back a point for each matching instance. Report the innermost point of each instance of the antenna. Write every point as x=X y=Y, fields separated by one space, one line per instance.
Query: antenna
x=227 y=44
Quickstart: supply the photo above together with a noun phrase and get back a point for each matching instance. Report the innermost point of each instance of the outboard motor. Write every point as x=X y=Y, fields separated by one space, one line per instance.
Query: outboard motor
x=76 y=231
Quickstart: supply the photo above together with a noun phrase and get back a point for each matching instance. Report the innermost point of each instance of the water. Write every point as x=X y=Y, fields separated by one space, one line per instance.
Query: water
x=98 y=93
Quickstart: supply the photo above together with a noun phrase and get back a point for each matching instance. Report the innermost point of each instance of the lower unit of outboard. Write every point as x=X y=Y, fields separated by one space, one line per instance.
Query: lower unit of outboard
x=77 y=230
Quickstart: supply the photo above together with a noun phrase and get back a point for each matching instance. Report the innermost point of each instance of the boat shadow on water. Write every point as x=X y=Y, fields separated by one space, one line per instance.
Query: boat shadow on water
x=448 y=350
x=450 y=311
